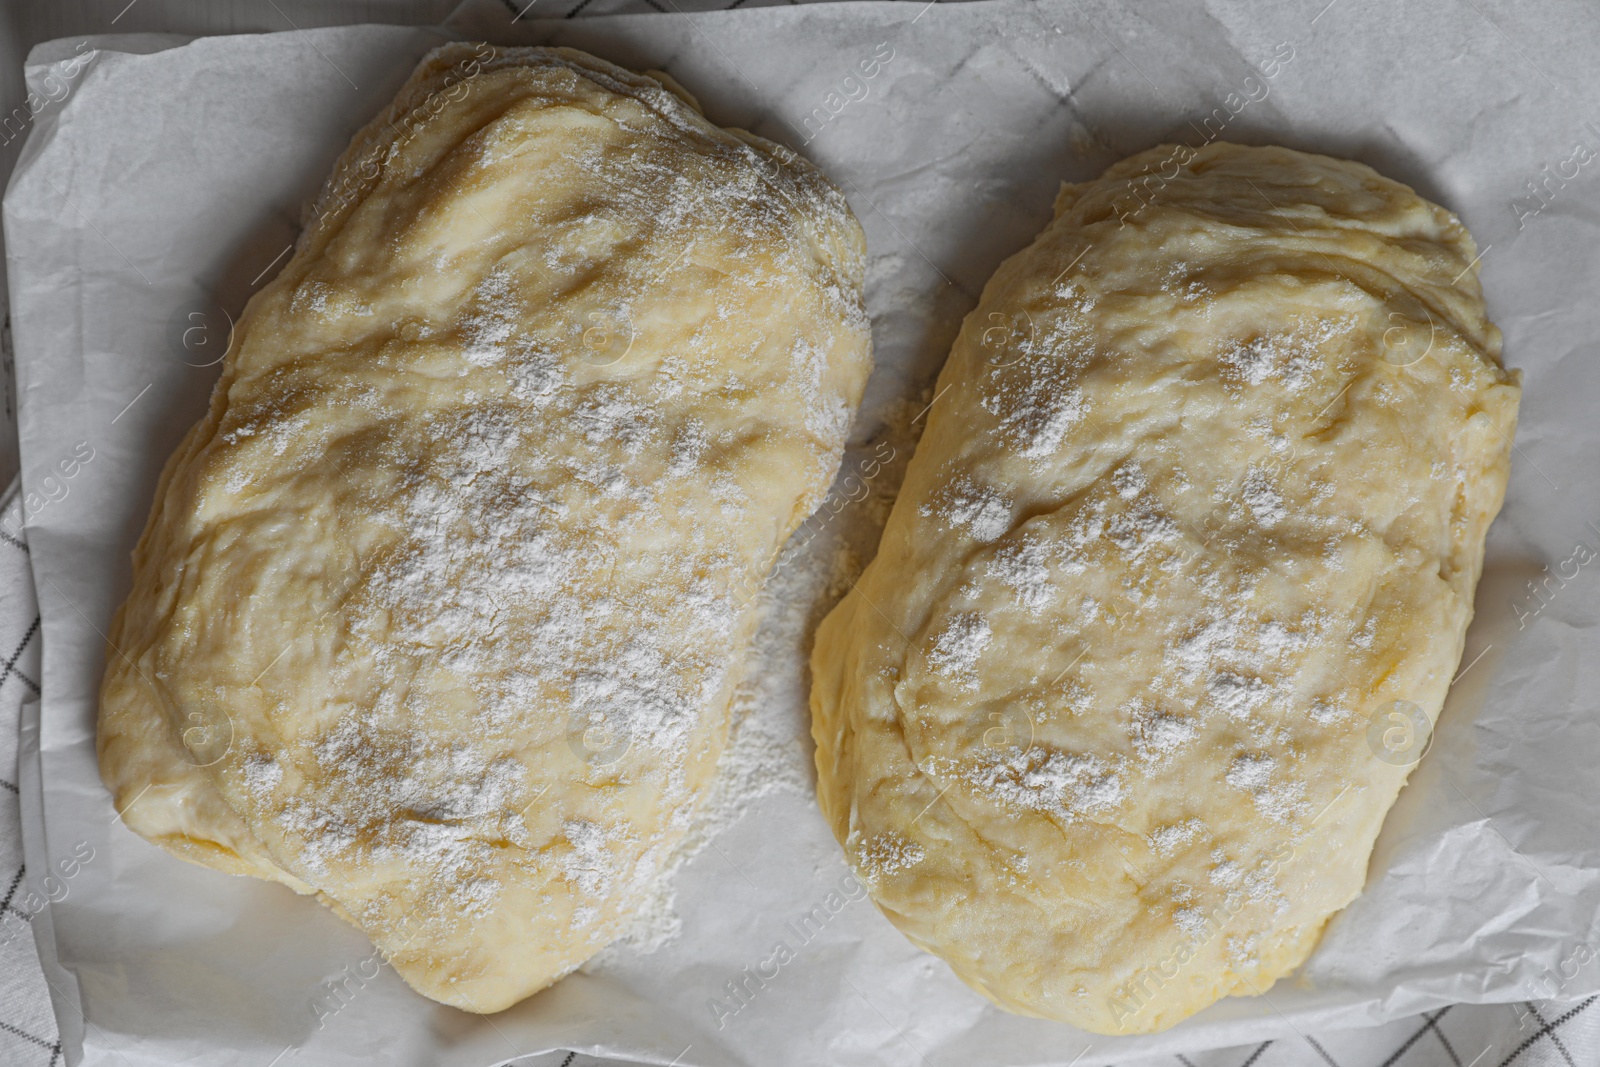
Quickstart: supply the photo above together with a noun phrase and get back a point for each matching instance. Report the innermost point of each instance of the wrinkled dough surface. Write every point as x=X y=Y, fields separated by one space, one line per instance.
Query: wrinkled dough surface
x=439 y=608
x=1204 y=492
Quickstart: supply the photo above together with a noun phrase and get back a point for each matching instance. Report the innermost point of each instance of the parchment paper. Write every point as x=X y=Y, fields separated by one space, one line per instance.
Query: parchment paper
x=166 y=185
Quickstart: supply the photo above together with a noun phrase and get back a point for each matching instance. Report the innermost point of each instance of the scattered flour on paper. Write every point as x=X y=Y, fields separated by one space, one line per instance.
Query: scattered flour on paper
x=769 y=720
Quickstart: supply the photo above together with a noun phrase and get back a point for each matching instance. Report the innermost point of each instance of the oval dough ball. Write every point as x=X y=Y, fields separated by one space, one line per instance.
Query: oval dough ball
x=439 y=609
x=1202 y=499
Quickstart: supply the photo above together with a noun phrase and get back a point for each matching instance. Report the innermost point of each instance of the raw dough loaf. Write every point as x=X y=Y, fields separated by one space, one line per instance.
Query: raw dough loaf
x=440 y=607
x=1203 y=493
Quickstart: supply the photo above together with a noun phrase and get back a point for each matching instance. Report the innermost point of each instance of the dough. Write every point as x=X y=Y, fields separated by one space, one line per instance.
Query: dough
x=439 y=609
x=1110 y=723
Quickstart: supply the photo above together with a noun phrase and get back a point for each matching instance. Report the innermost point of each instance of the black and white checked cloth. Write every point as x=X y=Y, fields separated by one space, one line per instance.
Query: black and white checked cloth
x=27 y=1027
x=1532 y=1034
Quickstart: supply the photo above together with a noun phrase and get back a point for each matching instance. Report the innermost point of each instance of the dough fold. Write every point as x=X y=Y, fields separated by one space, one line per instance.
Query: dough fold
x=439 y=609
x=1175 y=587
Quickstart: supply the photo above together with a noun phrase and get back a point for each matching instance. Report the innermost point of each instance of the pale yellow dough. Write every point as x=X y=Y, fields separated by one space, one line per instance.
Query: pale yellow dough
x=1204 y=491
x=440 y=607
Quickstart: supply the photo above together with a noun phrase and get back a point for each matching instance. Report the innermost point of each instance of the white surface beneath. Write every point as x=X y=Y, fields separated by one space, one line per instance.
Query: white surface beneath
x=165 y=184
